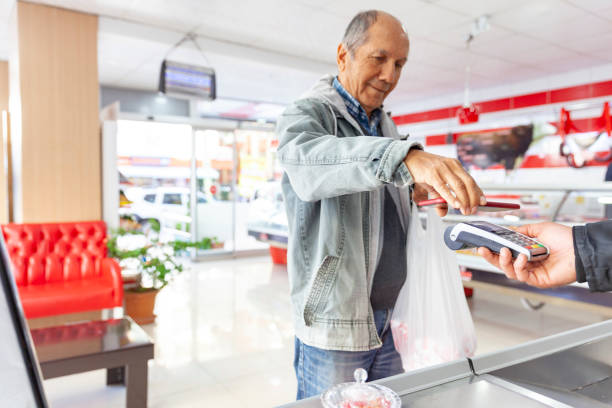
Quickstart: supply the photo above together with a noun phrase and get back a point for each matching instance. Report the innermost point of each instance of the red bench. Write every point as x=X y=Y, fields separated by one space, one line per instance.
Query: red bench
x=62 y=267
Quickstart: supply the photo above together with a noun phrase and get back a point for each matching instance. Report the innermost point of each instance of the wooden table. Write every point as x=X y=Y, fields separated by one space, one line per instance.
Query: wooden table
x=118 y=345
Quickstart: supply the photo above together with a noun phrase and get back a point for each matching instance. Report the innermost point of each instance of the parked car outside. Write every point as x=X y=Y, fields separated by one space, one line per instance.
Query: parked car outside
x=168 y=206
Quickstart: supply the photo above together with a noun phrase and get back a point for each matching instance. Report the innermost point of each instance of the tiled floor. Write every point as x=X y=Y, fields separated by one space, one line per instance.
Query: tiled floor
x=224 y=338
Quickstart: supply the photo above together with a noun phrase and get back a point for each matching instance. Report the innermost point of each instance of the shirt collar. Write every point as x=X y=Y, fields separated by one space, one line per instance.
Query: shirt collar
x=370 y=125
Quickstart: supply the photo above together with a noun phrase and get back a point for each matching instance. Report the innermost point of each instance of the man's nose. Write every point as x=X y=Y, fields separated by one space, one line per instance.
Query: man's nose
x=387 y=72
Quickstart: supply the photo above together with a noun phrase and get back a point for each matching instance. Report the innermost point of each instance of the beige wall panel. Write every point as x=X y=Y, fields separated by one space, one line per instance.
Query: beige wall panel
x=58 y=77
x=4 y=87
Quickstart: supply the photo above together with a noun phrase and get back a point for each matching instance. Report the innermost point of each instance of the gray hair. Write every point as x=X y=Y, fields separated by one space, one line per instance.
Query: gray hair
x=356 y=33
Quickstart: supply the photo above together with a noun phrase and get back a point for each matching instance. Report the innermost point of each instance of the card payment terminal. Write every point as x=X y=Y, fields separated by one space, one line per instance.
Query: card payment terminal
x=495 y=237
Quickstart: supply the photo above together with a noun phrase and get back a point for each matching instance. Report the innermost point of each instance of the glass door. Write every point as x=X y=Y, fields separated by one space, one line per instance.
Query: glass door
x=237 y=185
x=213 y=190
x=154 y=167
x=260 y=213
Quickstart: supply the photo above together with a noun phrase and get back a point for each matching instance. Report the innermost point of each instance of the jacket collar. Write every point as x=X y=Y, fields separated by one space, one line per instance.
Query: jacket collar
x=323 y=89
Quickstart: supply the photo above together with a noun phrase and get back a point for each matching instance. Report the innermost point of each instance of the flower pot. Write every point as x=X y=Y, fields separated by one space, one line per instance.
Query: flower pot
x=139 y=305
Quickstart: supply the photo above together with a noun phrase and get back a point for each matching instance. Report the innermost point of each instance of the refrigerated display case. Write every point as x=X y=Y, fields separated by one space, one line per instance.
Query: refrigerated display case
x=567 y=204
x=570 y=204
x=563 y=203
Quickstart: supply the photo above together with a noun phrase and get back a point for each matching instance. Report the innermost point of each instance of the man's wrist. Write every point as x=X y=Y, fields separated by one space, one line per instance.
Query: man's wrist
x=580 y=273
x=412 y=149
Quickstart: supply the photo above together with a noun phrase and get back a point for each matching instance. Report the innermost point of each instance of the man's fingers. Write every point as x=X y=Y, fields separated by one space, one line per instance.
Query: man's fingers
x=457 y=186
x=420 y=192
x=441 y=210
x=473 y=190
x=442 y=189
x=447 y=177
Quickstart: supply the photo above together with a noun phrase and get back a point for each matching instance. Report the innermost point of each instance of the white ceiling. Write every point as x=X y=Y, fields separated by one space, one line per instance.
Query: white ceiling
x=273 y=50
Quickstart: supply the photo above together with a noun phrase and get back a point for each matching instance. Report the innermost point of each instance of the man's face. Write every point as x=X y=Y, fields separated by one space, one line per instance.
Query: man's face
x=374 y=69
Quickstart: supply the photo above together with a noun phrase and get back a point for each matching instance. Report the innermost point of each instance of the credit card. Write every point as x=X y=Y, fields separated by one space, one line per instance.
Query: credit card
x=490 y=206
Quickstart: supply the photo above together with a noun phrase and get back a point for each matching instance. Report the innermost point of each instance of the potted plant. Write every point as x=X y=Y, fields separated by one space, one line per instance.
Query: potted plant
x=148 y=265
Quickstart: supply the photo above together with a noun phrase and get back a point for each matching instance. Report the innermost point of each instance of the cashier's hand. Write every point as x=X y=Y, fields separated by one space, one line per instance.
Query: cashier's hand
x=445 y=177
x=556 y=270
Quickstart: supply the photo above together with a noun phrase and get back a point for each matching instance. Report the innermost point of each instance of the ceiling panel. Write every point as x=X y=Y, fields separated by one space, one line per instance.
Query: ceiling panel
x=522 y=73
x=477 y=8
x=516 y=47
x=490 y=67
x=347 y=9
x=424 y=51
x=456 y=37
x=564 y=65
x=578 y=27
x=431 y=20
x=530 y=14
x=452 y=60
x=606 y=13
x=543 y=55
x=591 y=5
x=597 y=45
x=275 y=49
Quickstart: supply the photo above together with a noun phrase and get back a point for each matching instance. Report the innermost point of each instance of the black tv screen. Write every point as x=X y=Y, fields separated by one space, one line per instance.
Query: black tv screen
x=187 y=81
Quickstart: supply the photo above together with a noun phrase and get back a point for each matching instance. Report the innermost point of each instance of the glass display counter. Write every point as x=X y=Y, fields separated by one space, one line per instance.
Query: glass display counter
x=568 y=204
x=569 y=369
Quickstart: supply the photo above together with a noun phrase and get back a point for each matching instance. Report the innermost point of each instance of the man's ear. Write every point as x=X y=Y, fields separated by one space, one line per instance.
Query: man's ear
x=341 y=57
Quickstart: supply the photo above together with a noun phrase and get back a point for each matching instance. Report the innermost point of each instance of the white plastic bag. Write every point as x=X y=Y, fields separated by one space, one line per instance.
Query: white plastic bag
x=431 y=322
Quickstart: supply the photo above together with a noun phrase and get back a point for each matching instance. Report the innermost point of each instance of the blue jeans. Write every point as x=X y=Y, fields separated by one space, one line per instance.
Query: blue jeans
x=317 y=369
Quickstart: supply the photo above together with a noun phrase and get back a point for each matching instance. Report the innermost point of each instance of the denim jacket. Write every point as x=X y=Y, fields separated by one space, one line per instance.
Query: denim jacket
x=332 y=184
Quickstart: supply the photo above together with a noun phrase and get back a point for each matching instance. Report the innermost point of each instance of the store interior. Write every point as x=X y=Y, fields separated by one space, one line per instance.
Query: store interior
x=178 y=190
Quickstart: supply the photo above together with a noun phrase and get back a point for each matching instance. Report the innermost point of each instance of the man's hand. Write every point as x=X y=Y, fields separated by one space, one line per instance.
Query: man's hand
x=556 y=270
x=442 y=177
x=422 y=192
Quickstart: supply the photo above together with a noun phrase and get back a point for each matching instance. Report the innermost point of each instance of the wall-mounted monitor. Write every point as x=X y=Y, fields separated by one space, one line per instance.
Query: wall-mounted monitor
x=187 y=81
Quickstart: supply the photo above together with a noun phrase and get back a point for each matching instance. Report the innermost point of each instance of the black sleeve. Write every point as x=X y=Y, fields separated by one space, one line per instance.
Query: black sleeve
x=593 y=251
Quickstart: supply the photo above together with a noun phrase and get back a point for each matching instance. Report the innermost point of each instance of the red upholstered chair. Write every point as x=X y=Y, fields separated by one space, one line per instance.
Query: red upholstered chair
x=62 y=267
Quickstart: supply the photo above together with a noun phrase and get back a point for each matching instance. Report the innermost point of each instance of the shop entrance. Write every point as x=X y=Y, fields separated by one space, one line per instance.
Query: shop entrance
x=197 y=182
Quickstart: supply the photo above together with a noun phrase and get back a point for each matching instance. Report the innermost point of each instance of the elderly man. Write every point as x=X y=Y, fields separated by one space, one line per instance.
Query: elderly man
x=348 y=175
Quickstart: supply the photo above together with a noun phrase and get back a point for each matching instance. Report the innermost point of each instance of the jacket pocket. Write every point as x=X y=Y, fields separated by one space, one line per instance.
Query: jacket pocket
x=321 y=288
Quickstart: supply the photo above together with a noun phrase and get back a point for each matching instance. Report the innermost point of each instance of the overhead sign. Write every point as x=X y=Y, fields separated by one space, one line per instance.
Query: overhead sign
x=187 y=81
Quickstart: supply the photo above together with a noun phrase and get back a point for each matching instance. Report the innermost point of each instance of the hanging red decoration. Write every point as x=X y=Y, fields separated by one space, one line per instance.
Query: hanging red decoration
x=468 y=114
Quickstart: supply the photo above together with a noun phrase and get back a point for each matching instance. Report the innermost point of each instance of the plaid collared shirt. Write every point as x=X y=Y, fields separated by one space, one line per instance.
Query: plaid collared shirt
x=356 y=110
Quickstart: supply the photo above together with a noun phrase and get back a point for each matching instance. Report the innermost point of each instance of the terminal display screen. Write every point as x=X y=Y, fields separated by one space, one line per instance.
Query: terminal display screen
x=487 y=226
